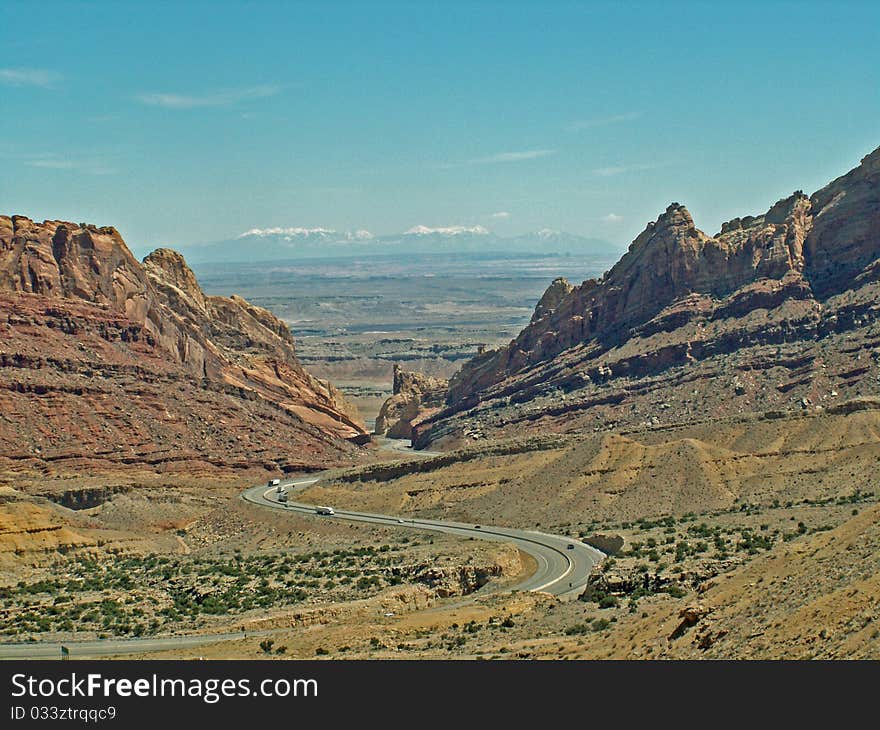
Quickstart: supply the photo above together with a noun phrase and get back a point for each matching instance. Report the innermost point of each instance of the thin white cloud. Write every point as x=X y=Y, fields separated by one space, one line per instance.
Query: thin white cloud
x=499 y=158
x=28 y=77
x=51 y=161
x=500 y=215
x=611 y=218
x=620 y=169
x=52 y=164
x=333 y=190
x=582 y=124
x=512 y=157
x=196 y=101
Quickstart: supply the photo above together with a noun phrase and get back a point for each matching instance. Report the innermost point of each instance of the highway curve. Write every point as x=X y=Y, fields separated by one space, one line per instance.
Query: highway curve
x=563 y=564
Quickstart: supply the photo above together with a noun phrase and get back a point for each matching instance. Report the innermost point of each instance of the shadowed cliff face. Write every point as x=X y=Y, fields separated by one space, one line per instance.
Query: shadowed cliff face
x=58 y=277
x=842 y=249
x=678 y=282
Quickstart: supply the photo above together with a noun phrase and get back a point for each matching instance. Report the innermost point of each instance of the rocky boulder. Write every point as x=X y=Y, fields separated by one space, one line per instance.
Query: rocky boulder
x=690 y=616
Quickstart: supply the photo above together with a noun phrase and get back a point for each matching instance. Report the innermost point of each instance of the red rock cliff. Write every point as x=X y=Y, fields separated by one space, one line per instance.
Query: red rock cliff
x=65 y=287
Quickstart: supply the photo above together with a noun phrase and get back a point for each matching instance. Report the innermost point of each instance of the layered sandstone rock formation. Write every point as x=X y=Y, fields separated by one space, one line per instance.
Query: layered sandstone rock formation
x=110 y=362
x=776 y=310
x=28 y=530
x=415 y=397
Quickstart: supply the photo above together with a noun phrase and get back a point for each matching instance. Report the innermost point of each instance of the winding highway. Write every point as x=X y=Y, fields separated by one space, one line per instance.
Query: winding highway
x=563 y=564
x=563 y=567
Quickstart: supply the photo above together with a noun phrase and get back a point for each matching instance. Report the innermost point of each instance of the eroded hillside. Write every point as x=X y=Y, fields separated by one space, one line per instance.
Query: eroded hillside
x=644 y=473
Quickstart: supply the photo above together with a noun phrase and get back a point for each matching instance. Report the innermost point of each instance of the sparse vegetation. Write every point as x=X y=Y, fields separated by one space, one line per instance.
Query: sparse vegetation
x=139 y=596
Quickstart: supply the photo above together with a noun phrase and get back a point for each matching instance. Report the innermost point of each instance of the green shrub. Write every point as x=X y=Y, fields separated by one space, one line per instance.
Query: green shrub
x=577 y=630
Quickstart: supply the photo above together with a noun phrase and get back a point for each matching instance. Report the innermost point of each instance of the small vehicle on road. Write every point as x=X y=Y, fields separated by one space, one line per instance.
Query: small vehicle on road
x=569 y=547
x=274 y=482
x=477 y=527
x=282 y=496
x=326 y=511
x=400 y=520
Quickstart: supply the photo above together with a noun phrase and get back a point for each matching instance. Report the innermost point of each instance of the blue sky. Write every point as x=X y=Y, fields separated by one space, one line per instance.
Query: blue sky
x=191 y=122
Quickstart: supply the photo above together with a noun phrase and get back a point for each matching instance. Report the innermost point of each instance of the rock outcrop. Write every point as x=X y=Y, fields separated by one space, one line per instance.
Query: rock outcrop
x=110 y=361
x=763 y=307
x=415 y=396
x=28 y=530
x=608 y=544
x=552 y=298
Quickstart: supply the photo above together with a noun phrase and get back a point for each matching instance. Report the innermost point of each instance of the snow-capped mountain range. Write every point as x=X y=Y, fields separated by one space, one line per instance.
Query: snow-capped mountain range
x=291 y=243
x=292 y=234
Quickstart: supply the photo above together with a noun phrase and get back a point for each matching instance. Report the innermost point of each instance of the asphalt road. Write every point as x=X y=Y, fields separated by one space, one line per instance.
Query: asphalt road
x=563 y=566
x=109 y=647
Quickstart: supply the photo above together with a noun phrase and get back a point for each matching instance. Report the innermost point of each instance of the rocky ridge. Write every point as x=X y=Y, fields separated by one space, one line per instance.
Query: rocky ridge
x=145 y=370
x=775 y=311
